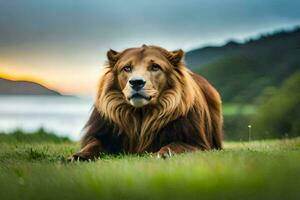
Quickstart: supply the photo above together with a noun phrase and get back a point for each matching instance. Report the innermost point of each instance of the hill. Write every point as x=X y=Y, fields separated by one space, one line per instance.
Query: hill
x=279 y=115
x=243 y=71
x=9 y=87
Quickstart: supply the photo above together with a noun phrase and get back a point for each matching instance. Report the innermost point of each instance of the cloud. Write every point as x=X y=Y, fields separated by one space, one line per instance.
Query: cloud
x=43 y=34
x=112 y=22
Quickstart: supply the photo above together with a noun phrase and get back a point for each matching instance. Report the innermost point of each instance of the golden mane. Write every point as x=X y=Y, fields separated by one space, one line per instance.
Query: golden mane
x=141 y=125
x=184 y=116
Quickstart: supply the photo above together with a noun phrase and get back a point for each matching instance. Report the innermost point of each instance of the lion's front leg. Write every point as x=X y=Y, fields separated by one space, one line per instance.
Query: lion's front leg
x=175 y=148
x=90 y=151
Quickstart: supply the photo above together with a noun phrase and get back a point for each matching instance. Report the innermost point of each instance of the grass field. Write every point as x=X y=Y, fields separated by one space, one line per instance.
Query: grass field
x=241 y=109
x=257 y=170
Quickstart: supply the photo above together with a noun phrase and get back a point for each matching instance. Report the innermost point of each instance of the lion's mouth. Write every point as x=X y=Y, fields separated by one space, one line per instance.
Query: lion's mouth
x=139 y=96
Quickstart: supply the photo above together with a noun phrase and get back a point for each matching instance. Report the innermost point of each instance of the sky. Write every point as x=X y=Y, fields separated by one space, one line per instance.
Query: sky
x=62 y=44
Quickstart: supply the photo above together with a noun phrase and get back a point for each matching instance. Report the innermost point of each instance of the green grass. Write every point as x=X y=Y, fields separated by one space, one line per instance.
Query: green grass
x=238 y=109
x=40 y=135
x=256 y=170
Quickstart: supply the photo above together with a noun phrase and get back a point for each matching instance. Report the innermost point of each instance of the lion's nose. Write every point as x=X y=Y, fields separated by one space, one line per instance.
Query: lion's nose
x=137 y=84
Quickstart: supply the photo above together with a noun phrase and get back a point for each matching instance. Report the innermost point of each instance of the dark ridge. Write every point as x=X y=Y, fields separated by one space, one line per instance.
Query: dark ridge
x=9 y=87
x=245 y=72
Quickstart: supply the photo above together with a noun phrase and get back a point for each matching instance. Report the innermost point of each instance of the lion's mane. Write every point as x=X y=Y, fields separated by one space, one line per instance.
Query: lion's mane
x=188 y=111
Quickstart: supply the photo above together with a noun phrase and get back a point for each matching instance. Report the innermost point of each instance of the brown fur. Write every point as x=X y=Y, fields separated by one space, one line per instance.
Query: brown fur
x=185 y=114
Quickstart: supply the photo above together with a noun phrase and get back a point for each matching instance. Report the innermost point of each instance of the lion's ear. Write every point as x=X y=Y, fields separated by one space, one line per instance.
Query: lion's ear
x=112 y=57
x=176 y=56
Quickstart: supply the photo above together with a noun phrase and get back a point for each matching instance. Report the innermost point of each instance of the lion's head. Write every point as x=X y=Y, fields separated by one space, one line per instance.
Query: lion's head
x=142 y=73
x=144 y=88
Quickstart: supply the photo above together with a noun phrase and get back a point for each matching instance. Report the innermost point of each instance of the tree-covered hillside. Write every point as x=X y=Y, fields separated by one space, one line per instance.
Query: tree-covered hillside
x=279 y=115
x=242 y=72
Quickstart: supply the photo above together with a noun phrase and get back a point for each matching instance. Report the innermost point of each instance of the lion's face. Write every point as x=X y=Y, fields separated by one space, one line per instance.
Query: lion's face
x=142 y=74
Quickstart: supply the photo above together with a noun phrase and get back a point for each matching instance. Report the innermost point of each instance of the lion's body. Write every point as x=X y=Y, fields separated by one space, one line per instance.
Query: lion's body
x=187 y=116
x=188 y=129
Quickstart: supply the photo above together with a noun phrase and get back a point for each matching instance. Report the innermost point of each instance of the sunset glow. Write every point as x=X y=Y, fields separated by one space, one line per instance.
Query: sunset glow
x=63 y=44
x=15 y=77
x=63 y=81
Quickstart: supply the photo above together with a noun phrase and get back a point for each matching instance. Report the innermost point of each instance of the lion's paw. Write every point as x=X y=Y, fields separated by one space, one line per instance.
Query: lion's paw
x=165 y=153
x=78 y=157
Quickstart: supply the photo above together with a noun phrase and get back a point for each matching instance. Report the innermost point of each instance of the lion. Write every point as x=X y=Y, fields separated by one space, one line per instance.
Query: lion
x=149 y=101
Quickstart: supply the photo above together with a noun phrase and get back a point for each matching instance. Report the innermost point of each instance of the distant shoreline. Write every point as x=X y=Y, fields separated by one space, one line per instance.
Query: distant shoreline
x=12 y=87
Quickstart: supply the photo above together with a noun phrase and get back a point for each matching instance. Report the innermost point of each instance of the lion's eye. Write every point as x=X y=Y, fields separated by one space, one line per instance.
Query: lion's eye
x=127 y=68
x=155 y=67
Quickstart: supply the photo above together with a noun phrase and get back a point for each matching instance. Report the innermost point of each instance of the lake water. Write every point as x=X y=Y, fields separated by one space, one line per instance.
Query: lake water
x=64 y=116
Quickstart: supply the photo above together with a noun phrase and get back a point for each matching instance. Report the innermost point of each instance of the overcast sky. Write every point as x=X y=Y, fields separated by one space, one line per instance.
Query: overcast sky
x=63 y=42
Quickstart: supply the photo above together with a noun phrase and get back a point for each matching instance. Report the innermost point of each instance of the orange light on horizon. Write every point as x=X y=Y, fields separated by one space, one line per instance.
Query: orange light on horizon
x=22 y=78
x=64 y=82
